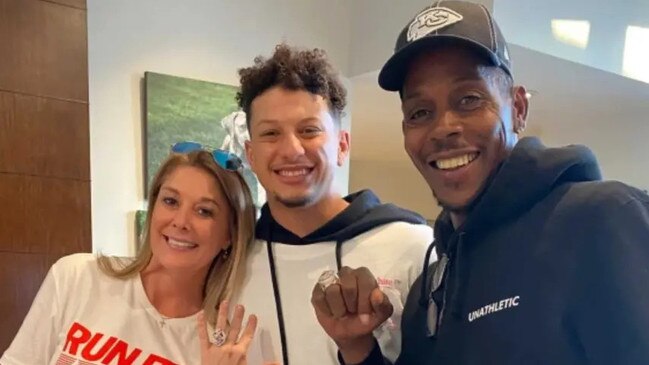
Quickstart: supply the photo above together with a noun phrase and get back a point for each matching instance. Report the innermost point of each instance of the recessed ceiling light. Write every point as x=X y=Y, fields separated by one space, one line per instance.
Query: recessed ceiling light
x=636 y=53
x=571 y=32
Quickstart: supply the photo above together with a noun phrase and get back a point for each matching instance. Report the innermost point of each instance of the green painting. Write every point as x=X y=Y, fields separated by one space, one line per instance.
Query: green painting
x=183 y=109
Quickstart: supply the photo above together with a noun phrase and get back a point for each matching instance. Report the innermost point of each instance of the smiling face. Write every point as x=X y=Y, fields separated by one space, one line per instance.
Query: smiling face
x=460 y=122
x=190 y=223
x=295 y=146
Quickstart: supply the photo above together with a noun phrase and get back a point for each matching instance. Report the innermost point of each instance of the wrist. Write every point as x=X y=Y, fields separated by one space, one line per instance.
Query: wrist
x=355 y=351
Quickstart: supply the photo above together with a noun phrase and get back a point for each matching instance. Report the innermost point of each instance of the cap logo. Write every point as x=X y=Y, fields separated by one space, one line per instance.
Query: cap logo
x=431 y=20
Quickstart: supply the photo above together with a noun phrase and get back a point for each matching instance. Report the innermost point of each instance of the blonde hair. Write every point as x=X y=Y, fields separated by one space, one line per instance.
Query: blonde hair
x=224 y=275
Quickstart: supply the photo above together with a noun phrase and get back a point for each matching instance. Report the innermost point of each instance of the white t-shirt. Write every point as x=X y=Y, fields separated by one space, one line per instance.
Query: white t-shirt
x=82 y=316
x=393 y=252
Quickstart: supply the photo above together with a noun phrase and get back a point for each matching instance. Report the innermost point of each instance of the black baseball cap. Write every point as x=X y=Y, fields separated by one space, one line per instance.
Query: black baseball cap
x=458 y=21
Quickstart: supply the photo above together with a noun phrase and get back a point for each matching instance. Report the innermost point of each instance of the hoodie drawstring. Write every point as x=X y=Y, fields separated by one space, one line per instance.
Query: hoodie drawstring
x=423 y=295
x=450 y=295
x=339 y=260
x=278 y=301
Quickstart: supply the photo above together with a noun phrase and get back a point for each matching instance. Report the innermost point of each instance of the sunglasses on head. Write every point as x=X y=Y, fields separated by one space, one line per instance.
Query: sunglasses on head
x=223 y=158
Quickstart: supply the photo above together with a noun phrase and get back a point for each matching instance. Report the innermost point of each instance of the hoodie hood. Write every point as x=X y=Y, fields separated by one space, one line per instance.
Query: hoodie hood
x=365 y=212
x=530 y=173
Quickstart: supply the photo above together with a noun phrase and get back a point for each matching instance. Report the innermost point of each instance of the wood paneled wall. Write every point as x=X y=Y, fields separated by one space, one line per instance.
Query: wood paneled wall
x=44 y=147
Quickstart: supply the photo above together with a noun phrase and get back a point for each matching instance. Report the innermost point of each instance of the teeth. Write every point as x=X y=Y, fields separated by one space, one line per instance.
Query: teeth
x=181 y=244
x=455 y=162
x=294 y=172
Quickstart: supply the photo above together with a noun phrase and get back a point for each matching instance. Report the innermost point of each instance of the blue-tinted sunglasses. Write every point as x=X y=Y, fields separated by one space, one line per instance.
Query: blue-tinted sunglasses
x=223 y=158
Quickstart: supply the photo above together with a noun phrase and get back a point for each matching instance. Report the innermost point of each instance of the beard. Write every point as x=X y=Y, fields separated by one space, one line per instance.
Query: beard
x=297 y=201
x=457 y=209
x=474 y=200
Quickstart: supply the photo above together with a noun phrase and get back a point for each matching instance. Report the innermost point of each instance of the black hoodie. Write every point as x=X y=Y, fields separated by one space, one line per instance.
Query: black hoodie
x=551 y=266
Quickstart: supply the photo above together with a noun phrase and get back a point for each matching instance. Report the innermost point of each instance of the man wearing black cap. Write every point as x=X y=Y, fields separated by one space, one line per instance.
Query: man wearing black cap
x=540 y=262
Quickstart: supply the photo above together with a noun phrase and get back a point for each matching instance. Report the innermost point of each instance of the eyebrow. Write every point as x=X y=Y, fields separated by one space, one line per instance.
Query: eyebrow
x=275 y=121
x=412 y=95
x=310 y=119
x=203 y=199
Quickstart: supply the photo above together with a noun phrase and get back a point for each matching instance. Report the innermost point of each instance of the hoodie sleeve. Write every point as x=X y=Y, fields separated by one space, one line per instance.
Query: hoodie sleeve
x=374 y=358
x=612 y=302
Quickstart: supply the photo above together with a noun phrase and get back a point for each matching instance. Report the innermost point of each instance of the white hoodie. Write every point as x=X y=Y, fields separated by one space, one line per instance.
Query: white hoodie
x=390 y=241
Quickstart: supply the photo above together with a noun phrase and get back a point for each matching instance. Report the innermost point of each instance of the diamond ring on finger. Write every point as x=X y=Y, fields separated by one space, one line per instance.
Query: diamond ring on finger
x=327 y=278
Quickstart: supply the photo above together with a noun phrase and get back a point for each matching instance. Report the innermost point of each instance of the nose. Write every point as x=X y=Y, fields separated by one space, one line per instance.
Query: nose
x=447 y=126
x=181 y=218
x=291 y=147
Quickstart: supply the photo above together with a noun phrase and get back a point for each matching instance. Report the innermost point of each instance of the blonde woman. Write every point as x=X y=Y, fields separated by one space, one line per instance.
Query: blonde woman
x=155 y=309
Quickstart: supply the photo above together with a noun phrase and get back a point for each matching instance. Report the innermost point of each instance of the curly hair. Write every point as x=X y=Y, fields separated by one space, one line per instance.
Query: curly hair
x=293 y=69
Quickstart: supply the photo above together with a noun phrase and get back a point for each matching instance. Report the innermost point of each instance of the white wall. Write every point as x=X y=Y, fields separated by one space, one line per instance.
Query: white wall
x=202 y=39
x=396 y=182
x=585 y=105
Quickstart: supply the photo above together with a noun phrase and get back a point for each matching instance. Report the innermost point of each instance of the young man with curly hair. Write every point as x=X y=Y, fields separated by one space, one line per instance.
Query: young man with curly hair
x=294 y=103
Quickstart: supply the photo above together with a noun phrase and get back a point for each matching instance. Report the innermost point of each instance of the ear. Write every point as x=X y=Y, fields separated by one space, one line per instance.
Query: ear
x=343 y=146
x=249 y=154
x=520 y=108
